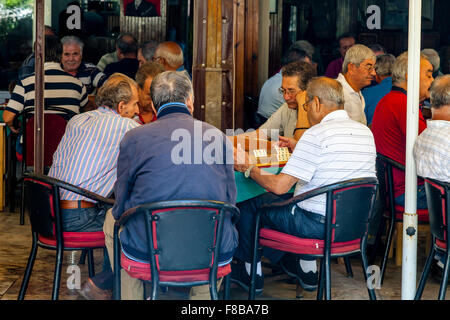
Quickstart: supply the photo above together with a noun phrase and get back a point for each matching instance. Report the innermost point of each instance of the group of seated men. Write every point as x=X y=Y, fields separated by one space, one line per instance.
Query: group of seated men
x=110 y=151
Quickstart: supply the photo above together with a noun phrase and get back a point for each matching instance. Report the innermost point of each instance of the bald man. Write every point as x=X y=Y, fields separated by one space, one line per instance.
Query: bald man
x=170 y=55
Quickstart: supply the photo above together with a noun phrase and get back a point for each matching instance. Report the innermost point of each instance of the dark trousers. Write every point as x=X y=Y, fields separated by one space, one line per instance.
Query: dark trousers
x=288 y=219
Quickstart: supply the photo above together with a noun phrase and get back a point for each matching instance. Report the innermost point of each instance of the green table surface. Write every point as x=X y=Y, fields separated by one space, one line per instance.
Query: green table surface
x=247 y=188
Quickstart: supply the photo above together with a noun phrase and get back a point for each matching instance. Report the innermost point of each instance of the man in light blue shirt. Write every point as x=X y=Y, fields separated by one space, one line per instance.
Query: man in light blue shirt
x=373 y=94
x=270 y=98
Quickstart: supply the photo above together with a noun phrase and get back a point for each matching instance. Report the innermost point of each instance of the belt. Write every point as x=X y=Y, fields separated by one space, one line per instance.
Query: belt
x=314 y=216
x=80 y=204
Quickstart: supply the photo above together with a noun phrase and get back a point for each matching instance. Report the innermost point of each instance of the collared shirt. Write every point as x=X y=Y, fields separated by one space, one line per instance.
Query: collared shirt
x=372 y=95
x=284 y=120
x=170 y=160
x=60 y=90
x=88 y=151
x=354 y=101
x=432 y=151
x=270 y=98
x=334 y=150
x=90 y=76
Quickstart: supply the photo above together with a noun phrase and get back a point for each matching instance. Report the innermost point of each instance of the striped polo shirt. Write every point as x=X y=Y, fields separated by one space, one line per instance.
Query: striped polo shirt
x=432 y=151
x=60 y=90
x=88 y=151
x=90 y=76
x=336 y=149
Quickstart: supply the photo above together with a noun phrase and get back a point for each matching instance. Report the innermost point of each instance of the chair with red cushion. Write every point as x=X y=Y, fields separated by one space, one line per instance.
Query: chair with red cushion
x=392 y=212
x=438 y=199
x=42 y=194
x=184 y=237
x=54 y=128
x=348 y=212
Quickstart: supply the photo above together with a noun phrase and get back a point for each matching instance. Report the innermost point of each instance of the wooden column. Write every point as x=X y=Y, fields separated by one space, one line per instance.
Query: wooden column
x=39 y=53
x=225 y=60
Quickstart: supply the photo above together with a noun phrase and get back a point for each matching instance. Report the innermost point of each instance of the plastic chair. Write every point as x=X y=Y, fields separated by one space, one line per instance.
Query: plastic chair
x=46 y=224
x=392 y=212
x=438 y=199
x=346 y=226
x=54 y=128
x=184 y=237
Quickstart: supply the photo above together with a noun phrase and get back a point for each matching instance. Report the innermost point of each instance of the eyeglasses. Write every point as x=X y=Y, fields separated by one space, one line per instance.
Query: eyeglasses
x=305 y=105
x=291 y=92
x=368 y=67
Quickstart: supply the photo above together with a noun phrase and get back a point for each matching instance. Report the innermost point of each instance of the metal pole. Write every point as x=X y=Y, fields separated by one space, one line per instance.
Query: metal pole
x=409 y=259
x=39 y=52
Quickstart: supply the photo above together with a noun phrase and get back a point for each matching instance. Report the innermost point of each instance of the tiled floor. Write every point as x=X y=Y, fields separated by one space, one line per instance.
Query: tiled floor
x=15 y=243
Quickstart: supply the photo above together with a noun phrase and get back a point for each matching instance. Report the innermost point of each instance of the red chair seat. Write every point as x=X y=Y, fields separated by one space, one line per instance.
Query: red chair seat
x=285 y=242
x=78 y=240
x=422 y=214
x=441 y=244
x=141 y=270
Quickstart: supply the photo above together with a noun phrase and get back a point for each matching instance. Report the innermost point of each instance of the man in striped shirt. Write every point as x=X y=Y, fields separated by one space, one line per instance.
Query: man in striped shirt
x=87 y=154
x=60 y=88
x=334 y=149
x=72 y=63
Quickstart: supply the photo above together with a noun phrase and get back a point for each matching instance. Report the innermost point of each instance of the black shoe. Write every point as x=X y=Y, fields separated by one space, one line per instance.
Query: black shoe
x=291 y=266
x=241 y=277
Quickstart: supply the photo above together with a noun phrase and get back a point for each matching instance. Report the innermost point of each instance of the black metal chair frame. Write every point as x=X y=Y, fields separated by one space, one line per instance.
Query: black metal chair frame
x=325 y=273
x=147 y=210
x=388 y=164
x=56 y=185
x=24 y=115
x=439 y=210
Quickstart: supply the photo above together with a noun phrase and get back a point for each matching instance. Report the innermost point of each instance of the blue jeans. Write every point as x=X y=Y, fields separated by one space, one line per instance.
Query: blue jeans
x=288 y=219
x=83 y=219
x=421 y=198
x=86 y=220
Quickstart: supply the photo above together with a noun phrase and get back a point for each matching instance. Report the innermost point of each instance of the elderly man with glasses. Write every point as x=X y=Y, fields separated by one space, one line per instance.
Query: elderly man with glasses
x=358 y=71
x=335 y=148
x=289 y=120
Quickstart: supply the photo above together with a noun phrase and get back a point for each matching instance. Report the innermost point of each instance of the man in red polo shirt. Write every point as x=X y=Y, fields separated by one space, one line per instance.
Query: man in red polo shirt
x=389 y=122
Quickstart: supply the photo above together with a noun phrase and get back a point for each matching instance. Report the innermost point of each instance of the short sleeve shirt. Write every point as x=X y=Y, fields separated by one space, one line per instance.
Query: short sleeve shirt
x=354 y=101
x=334 y=150
x=284 y=120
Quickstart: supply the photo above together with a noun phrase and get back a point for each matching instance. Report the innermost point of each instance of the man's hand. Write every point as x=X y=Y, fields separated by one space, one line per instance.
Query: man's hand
x=241 y=159
x=287 y=142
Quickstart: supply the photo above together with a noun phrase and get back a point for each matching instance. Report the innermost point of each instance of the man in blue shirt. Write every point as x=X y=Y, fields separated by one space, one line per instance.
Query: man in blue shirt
x=373 y=94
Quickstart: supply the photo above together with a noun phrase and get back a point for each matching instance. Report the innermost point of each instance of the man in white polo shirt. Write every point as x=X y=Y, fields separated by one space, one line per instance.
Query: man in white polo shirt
x=358 y=71
x=334 y=149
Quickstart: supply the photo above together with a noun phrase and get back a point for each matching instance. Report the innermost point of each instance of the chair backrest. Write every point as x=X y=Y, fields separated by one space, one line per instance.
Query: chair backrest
x=185 y=234
x=54 y=128
x=351 y=208
x=385 y=175
x=438 y=200
x=43 y=202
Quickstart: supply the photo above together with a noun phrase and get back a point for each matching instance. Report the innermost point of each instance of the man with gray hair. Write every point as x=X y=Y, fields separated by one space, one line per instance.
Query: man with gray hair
x=128 y=64
x=435 y=60
x=146 y=52
x=432 y=147
x=151 y=168
x=373 y=94
x=358 y=71
x=389 y=122
x=334 y=149
x=71 y=61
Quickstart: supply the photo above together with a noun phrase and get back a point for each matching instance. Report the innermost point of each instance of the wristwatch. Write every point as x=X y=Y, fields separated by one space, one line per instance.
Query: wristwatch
x=247 y=172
